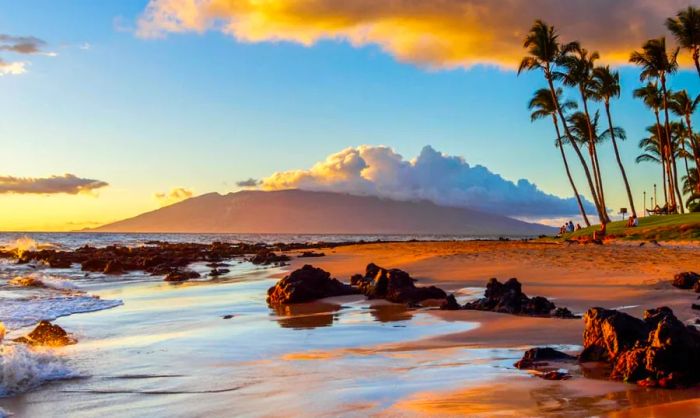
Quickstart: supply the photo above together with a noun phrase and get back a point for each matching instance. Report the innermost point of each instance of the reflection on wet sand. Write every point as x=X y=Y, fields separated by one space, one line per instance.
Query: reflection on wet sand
x=306 y=315
x=390 y=312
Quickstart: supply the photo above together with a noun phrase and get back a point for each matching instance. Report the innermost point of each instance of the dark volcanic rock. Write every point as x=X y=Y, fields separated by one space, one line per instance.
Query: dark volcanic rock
x=450 y=304
x=659 y=351
x=305 y=285
x=47 y=334
x=509 y=298
x=266 y=257
x=609 y=332
x=114 y=267
x=219 y=272
x=686 y=280
x=393 y=285
x=541 y=354
x=181 y=275
x=311 y=254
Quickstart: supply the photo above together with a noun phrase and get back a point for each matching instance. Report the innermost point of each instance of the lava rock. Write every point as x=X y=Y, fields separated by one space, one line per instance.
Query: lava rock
x=181 y=276
x=509 y=298
x=266 y=257
x=311 y=254
x=114 y=267
x=609 y=332
x=450 y=304
x=686 y=280
x=305 y=285
x=393 y=285
x=541 y=354
x=47 y=334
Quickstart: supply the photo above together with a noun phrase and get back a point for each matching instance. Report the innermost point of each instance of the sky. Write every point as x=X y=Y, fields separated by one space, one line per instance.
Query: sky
x=113 y=108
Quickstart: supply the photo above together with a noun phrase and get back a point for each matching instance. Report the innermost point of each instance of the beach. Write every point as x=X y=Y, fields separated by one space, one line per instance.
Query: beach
x=166 y=350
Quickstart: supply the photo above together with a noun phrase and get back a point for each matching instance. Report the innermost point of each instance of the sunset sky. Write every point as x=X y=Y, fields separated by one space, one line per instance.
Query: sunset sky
x=147 y=103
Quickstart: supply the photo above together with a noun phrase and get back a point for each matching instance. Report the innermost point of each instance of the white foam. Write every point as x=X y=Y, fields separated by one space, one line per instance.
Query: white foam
x=23 y=368
x=18 y=313
x=49 y=281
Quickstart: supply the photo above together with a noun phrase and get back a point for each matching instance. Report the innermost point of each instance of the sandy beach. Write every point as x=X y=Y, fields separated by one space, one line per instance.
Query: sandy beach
x=212 y=346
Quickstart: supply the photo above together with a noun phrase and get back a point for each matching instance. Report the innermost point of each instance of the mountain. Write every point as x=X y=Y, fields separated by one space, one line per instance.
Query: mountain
x=305 y=212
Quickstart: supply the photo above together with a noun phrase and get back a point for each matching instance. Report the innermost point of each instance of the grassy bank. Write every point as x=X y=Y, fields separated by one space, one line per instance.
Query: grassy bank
x=661 y=228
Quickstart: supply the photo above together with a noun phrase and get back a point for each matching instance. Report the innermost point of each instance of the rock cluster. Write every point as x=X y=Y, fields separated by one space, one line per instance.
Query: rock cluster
x=47 y=334
x=393 y=285
x=266 y=257
x=656 y=351
x=539 y=356
x=307 y=284
x=687 y=280
x=509 y=298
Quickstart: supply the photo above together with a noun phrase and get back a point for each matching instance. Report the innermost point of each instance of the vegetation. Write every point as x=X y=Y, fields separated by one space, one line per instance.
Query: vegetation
x=578 y=125
x=661 y=228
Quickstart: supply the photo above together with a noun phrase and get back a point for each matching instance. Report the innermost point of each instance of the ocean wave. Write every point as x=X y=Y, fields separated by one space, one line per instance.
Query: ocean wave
x=18 y=313
x=44 y=281
x=20 y=245
x=23 y=368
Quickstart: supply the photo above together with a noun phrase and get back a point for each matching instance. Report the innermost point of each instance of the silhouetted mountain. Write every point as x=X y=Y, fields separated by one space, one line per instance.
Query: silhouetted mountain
x=305 y=212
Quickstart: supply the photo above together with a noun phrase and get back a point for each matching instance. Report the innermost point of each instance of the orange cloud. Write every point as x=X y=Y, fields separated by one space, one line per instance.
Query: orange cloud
x=431 y=33
x=173 y=196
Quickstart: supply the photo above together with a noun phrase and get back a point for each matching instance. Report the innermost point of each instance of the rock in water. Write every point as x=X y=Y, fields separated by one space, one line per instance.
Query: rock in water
x=181 y=276
x=393 y=285
x=509 y=298
x=450 y=304
x=47 y=334
x=305 y=285
x=541 y=354
x=686 y=280
x=659 y=351
x=267 y=257
x=609 y=332
x=114 y=267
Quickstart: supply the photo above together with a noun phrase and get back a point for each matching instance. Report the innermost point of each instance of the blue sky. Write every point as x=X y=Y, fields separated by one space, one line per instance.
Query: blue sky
x=202 y=111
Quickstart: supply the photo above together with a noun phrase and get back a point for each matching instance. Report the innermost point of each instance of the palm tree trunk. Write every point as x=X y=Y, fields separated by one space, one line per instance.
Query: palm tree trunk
x=594 y=156
x=568 y=173
x=675 y=185
x=571 y=139
x=619 y=160
x=694 y=146
x=671 y=157
x=696 y=58
x=664 y=167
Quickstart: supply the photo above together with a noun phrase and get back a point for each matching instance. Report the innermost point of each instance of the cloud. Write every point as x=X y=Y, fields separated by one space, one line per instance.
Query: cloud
x=12 y=68
x=21 y=44
x=173 y=196
x=443 y=179
x=251 y=182
x=431 y=33
x=67 y=183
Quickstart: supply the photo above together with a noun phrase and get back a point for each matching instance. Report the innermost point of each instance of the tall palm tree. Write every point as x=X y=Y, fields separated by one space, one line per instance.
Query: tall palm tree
x=654 y=150
x=690 y=187
x=680 y=134
x=577 y=65
x=543 y=106
x=542 y=44
x=657 y=63
x=684 y=106
x=685 y=27
x=651 y=96
x=606 y=85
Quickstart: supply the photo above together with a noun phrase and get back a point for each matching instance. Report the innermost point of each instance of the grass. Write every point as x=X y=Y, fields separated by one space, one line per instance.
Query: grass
x=660 y=227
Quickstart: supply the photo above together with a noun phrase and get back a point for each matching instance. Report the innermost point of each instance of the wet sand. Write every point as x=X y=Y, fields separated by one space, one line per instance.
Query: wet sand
x=622 y=276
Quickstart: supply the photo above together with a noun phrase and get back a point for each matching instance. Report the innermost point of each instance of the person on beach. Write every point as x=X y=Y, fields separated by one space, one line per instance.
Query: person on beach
x=570 y=226
x=578 y=227
x=600 y=234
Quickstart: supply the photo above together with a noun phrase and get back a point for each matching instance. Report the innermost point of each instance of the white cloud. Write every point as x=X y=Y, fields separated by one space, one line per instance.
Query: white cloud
x=173 y=196
x=13 y=68
x=443 y=179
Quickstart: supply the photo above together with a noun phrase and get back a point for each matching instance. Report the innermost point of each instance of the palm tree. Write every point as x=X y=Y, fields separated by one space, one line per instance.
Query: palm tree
x=651 y=96
x=684 y=106
x=690 y=186
x=680 y=134
x=542 y=44
x=686 y=29
x=654 y=150
x=577 y=64
x=543 y=106
x=606 y=85
x=657 y=64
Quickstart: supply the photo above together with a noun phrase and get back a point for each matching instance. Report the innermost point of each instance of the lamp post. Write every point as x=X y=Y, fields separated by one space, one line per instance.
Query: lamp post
x=645 y=203
x=655 y=198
